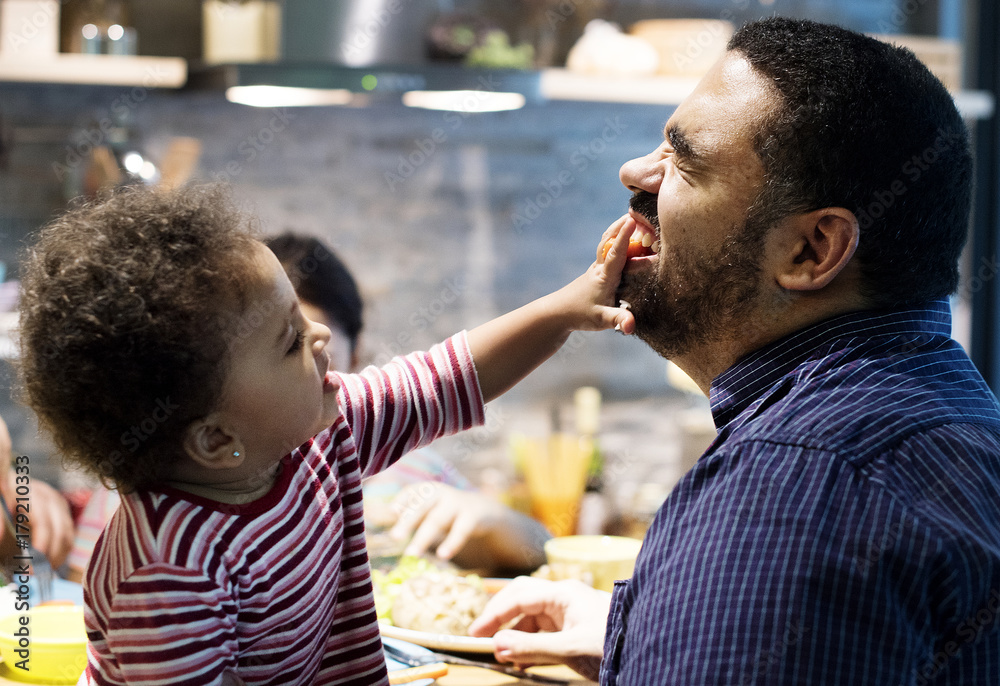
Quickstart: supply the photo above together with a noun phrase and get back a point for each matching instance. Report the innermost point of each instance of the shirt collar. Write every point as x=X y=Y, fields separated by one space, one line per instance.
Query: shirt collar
x=736 y=388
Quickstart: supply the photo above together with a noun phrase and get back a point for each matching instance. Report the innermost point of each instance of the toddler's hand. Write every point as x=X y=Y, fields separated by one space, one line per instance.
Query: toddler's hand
x=507 y=348
x=592 y=295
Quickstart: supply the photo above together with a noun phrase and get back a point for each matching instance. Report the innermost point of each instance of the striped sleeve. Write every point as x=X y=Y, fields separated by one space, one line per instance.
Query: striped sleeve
x=95 y=516
x=412 y=401
x=166 y=625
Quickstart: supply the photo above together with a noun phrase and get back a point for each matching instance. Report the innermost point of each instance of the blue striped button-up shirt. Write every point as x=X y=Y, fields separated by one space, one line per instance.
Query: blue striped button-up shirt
x=843 y=528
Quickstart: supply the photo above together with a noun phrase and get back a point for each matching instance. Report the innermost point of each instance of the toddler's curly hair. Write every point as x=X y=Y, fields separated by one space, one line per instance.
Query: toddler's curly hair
x=123 y=340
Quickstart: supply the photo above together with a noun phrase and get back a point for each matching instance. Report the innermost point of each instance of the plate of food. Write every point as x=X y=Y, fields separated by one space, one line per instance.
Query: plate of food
x=431 y=606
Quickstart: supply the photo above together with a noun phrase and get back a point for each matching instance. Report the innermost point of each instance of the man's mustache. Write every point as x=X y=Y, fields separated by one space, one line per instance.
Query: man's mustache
x=644 y=204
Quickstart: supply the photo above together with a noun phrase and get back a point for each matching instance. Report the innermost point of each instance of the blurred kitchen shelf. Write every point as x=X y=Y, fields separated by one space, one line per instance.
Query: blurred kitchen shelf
x=98 y=70
x=547 y=84
x=374 y=80
x=562 y=84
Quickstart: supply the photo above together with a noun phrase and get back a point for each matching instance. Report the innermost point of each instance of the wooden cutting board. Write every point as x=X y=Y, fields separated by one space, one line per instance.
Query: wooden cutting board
x=473 y=676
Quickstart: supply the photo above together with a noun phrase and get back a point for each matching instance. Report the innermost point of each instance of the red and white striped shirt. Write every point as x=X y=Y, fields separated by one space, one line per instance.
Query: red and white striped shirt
x=182 y=589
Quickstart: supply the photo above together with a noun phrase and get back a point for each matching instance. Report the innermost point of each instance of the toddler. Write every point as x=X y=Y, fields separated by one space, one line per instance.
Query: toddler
x=164 y=348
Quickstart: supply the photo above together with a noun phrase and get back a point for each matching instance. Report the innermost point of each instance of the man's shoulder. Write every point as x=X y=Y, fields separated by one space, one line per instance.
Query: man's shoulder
x=862 y=405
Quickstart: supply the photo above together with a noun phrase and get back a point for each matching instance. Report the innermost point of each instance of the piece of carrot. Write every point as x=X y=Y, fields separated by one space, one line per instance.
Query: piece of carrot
x=405 y=676
x=635 y=248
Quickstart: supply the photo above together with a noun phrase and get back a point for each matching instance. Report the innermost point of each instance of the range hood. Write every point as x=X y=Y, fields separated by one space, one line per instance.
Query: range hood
x=288 y=83
x=351 y=51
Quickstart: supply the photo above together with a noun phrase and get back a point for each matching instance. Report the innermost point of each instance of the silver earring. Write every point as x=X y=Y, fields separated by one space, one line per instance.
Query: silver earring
x=236 y=453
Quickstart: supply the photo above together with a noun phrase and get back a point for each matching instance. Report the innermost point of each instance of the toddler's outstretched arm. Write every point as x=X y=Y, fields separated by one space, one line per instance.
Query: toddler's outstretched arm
x=507 y=348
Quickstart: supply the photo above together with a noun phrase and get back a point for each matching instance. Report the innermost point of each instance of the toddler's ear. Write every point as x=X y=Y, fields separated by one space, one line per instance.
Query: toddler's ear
x=211 y=444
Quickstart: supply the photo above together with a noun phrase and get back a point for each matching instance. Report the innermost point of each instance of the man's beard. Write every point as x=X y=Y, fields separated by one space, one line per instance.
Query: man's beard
x=691 y=300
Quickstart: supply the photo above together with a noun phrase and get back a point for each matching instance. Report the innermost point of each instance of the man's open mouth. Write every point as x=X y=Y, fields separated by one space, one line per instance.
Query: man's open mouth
x=645 y=240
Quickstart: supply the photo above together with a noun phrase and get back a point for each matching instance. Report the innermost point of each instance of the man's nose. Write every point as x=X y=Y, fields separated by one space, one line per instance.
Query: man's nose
x=641 y=174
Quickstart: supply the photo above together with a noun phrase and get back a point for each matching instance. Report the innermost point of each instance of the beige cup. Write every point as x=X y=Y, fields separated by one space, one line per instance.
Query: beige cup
x=606 y=558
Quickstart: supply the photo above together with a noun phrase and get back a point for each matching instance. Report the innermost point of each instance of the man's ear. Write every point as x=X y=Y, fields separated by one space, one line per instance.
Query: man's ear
x=823 y=242
x=212 y=444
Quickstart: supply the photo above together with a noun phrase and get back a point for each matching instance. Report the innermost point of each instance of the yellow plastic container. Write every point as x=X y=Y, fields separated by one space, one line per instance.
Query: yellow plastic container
x=49 y=640
x=607 y=558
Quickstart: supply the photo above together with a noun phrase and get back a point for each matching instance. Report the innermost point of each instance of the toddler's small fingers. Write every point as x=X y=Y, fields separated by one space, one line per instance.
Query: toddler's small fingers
x=608 y=236
x=616 y=256
x=625 y=322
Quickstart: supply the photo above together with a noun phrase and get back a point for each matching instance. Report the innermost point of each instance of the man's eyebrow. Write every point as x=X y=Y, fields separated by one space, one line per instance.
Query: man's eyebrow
x=681 y=143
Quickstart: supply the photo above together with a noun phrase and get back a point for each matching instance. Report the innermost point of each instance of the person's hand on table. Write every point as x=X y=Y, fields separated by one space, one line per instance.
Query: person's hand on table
x=51 y=522
x=557 y=622
x=430 y=512
x=50 y=519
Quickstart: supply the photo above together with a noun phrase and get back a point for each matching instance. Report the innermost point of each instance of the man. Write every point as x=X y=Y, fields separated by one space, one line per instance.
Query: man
x=811 y=199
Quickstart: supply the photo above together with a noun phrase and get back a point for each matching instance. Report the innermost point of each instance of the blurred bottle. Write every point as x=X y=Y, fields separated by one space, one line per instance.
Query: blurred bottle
x=551 y=27
x=587 y=423
x=516 y=494
x=97 y=27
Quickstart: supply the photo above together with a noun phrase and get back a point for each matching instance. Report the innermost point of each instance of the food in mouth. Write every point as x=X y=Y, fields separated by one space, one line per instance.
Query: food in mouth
x=639 y=245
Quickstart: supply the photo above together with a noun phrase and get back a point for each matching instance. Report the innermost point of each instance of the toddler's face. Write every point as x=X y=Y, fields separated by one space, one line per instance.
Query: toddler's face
x=277 y=393
x=339 y=348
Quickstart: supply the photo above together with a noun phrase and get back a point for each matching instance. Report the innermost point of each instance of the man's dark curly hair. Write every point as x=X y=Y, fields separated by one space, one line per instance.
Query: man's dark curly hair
x=864 y=125
x=123 y=334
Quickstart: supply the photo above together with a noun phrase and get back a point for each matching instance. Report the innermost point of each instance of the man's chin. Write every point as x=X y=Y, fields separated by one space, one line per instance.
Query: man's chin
x=665 y=329
x=632 y=287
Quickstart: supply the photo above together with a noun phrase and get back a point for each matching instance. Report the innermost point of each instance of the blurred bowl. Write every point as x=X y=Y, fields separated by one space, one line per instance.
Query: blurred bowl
x=50 y=640
x=606 y=558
